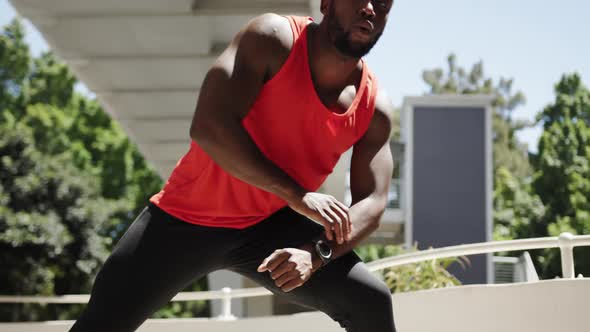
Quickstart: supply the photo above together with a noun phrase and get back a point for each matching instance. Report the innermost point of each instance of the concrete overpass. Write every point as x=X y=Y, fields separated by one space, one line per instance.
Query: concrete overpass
x=145 y=59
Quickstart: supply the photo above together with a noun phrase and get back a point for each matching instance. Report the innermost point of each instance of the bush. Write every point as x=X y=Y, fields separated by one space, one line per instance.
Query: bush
x=411 y=277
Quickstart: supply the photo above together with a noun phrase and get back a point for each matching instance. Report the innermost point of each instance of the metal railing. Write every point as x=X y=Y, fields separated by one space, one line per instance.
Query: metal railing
x=565 y=242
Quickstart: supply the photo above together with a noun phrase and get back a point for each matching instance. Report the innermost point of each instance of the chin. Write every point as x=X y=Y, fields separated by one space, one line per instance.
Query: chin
x=364 y=46
x=360 y=47
x=354 y=48
x=359 y=50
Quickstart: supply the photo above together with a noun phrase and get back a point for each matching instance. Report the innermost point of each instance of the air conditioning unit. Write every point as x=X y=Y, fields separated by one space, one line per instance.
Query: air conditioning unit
x=509 y=270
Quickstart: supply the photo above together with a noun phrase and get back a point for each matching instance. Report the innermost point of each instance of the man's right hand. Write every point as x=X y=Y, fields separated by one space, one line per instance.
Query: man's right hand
x=326 y=210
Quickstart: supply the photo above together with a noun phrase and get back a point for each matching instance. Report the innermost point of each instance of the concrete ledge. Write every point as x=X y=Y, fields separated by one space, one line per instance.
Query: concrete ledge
x=544 y=306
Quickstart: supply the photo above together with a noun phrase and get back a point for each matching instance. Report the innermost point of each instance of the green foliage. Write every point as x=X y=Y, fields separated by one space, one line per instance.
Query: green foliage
x=562 y=177
x=14 y=60
x=49 y=221
x=50 y=82
x=517 y=209
x=411 y=277
x=70 y=184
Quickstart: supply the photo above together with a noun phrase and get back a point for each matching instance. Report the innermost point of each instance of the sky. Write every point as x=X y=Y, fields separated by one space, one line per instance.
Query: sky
x=534 y=42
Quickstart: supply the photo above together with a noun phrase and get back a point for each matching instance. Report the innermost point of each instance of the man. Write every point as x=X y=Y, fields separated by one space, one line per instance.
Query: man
x=274 y=114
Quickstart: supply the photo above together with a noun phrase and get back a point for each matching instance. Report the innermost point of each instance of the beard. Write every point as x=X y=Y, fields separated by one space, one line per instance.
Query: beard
x=341 y=39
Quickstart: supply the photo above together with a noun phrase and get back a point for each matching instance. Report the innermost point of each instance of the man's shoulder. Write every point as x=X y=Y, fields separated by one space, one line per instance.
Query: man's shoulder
x=271 y=30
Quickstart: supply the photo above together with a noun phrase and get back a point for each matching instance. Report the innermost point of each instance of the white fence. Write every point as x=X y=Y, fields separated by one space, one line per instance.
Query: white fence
x=543 y=306
x=566 y=242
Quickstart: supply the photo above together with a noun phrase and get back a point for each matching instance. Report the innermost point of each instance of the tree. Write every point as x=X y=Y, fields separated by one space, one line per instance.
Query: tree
x=49 y=216
x=65 y=120
x=411 y=277
x=395 y=124
x=508 y=151
x=49 y=82
x=562 y=177
x=71 y=182
x=516 y=208
x=515 y=204
x=15 y=60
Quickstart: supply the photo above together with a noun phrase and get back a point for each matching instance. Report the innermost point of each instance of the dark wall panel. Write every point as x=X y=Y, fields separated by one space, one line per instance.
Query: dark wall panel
x=449 y=182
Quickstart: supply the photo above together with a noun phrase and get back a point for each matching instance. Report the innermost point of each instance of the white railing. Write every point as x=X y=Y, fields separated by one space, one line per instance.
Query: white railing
x=566 y=242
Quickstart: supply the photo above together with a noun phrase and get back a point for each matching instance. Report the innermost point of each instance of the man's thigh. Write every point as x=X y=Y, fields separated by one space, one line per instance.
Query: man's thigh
x=283 y=229
x=344 y=289
x=324 y=291
x=157 y=257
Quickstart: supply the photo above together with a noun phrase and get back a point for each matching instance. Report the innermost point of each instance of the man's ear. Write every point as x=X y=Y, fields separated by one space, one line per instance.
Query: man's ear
x=324 y=5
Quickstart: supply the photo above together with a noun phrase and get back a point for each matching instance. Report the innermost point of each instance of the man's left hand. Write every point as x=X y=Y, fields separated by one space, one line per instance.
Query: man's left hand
x=289 y=268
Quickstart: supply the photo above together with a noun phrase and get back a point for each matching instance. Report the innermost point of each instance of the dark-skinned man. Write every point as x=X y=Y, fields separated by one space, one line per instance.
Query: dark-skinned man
x=275 y=112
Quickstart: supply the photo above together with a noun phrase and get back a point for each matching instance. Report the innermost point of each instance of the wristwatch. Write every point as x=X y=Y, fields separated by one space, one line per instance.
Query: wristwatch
x=323 y=250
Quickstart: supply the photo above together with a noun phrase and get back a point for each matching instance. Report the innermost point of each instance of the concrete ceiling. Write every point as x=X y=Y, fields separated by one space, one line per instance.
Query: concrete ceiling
x=145 y=59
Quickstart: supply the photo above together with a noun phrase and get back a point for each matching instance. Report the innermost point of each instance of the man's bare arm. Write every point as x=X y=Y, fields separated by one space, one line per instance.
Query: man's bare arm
x=227 y=94
x=370 y=177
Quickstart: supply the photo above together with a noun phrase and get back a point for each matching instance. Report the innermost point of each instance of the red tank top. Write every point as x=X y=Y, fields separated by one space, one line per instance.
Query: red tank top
x=291 y=127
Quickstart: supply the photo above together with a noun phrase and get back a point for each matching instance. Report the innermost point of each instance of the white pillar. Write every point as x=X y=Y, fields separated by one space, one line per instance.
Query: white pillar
x=567 y=255
x=219 y=280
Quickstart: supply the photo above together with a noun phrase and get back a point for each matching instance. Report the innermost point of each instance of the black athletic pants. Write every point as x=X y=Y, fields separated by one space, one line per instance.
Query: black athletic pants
x=160 y=255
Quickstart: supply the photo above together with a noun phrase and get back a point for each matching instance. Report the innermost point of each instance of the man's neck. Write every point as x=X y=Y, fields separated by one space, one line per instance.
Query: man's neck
x=330 y=68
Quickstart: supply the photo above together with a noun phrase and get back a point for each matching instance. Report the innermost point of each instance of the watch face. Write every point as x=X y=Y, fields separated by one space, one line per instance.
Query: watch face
x=324 y=249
